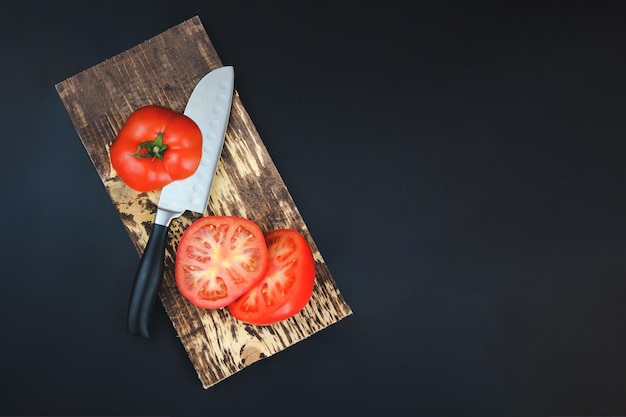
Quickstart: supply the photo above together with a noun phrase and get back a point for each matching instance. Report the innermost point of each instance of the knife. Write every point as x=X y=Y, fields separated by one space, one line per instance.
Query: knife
x=209 y=106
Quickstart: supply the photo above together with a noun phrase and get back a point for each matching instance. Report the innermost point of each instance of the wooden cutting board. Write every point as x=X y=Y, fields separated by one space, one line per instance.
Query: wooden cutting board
x=163 y=71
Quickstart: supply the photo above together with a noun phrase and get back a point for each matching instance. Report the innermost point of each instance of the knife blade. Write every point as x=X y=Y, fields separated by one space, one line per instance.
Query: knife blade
x=209 y=106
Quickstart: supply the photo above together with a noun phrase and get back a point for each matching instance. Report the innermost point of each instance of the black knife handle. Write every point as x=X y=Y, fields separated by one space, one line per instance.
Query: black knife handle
x=147 y=282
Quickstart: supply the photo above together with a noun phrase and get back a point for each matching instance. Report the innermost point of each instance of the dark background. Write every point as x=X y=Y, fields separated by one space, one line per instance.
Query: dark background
x=459 y=164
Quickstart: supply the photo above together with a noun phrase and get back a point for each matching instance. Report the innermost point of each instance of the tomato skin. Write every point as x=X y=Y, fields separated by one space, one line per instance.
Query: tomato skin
x=218 y=259
x=287 y=285
x=137 y=167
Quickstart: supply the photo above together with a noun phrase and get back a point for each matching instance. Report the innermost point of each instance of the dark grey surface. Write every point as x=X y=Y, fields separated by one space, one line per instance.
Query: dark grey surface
x=460 y=166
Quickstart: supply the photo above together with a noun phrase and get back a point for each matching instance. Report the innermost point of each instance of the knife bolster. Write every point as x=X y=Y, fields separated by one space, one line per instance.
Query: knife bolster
x=165 y=216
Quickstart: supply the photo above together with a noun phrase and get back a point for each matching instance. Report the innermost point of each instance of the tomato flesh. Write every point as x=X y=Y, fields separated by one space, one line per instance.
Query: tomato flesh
x=287 y=285
x=218 y=259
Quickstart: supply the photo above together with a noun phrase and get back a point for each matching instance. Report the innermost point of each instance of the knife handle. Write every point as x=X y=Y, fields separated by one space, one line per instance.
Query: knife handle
x=147 y=282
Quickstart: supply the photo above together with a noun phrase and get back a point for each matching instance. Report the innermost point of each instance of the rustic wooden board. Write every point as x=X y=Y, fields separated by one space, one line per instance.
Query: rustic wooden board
x=163 y=71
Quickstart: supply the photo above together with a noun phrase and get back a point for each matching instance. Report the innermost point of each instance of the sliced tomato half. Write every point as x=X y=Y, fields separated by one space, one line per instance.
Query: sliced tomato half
x=218 y=259
x=288 y=283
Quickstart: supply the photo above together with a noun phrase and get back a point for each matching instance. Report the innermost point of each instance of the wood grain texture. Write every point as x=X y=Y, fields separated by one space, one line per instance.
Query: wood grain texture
x=164 y=70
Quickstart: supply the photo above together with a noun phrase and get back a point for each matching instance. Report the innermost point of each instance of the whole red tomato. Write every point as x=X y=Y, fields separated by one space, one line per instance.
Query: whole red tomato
x=156 y=146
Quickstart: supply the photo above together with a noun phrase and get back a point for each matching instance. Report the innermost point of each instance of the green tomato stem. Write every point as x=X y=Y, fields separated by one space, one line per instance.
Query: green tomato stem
x=153 y=149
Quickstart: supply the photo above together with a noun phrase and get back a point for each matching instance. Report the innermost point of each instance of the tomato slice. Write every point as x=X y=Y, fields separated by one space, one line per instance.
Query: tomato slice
x=218 y=259
x=288 y=283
